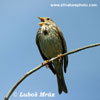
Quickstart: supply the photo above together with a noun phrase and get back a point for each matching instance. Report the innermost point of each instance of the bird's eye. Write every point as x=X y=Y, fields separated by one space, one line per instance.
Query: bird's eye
x=48 y=18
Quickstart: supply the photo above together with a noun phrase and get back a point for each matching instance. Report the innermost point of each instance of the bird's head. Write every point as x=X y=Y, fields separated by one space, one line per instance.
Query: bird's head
x=46 y=20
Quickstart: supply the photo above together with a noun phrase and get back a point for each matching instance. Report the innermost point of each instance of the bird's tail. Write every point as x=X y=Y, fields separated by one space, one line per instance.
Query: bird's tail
x=61 y=82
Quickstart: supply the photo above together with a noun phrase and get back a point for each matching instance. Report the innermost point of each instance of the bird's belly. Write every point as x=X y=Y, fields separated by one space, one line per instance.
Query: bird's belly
x=50 y=45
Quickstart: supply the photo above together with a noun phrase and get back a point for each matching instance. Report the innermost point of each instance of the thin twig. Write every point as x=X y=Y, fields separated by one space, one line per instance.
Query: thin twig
x=41 y=65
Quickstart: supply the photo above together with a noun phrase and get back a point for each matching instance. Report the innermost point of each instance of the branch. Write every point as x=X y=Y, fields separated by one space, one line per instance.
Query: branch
x=41 y=65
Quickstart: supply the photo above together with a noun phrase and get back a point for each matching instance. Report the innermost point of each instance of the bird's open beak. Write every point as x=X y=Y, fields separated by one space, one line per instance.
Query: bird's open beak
x=42 y=21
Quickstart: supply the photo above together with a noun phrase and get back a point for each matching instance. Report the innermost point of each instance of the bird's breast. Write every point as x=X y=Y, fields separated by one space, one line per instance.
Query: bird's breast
x=50 y=43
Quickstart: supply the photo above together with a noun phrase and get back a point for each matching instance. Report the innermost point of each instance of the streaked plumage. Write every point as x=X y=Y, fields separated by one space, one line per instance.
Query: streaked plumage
x=50 y=42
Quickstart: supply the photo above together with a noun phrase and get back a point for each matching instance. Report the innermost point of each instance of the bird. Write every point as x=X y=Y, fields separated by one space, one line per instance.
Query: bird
x=51 y=43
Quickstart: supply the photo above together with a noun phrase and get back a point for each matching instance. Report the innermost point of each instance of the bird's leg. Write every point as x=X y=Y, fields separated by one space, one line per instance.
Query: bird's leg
x=60 y=57
x=45 y=63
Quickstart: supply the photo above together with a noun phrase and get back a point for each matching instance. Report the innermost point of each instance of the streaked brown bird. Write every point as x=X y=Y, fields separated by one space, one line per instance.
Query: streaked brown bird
x=51 y=42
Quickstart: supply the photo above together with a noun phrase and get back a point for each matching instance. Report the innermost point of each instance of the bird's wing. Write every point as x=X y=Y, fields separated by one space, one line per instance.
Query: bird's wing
x=64 y=48
x=43 y=56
